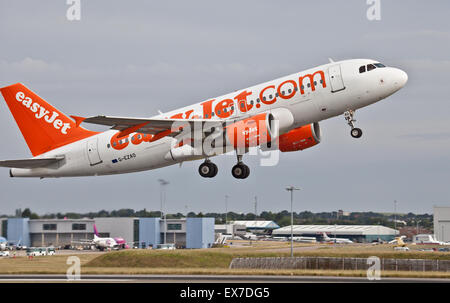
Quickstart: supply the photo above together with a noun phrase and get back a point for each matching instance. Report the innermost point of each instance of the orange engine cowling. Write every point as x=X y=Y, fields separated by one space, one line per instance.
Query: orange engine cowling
x=249 y=132
x=300 y=138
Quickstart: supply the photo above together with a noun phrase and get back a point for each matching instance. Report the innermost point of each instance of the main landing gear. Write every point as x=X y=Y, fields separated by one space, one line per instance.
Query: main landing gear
x=240 y=170
x=209 y=170
x=355 y=132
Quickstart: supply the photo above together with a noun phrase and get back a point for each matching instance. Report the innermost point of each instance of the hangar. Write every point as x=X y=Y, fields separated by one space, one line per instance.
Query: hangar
x=356 y=233
x=441 y=217
x=257 y=227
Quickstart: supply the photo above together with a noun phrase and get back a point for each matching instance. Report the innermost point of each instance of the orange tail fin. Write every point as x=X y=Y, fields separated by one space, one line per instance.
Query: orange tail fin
x=43 y=126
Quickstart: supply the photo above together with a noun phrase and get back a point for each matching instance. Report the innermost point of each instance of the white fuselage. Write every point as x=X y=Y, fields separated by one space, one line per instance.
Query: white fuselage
x=104 y=242
x=340 y=87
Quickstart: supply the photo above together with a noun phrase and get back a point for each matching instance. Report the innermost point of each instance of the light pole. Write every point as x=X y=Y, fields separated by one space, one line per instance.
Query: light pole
x=417 y=226
x=226 y=210
x=291 y=189
x=256 y=208
x=395 y=214
x=163 y=183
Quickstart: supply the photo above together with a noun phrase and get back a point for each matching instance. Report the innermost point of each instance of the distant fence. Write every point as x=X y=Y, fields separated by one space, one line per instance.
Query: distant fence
x=340 y=263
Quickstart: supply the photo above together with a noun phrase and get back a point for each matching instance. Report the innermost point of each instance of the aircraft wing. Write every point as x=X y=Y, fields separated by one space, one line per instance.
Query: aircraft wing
x=157 y=127
x=30 y=163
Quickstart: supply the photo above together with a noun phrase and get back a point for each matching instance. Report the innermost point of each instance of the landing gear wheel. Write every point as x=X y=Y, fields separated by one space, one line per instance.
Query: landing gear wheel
x=208 y=169
x=240 y=171
x=356 y=132
x=214 y=170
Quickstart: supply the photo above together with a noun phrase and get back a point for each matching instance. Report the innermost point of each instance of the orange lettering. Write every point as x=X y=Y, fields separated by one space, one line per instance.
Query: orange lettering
x=262 y=98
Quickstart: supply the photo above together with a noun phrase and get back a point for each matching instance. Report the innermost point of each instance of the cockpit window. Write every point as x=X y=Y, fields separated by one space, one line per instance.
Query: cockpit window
x=362 y=69
x=370 y=67
x=379 y=65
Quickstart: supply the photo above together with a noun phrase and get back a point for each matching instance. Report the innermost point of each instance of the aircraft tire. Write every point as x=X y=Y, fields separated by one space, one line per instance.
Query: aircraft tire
x=356 y=133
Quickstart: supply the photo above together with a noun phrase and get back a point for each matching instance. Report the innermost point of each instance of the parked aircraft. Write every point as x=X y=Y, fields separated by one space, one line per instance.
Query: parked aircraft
x=282 y=114
x=336 y=240
x=304 y=239
x=100 y=243
x=120 y=242
x=3 y=243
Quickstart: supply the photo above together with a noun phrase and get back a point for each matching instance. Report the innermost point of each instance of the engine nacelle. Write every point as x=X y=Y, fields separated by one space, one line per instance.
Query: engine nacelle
x=259 y=129
x=300 y=138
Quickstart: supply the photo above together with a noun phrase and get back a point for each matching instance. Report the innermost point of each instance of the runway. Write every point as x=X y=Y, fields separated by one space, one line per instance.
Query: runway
x=209 y=279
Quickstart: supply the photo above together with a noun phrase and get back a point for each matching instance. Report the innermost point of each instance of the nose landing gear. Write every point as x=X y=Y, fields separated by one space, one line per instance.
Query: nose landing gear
x=355 y=132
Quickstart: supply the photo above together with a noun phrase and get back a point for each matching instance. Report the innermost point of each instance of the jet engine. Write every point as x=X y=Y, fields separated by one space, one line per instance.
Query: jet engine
x=259 y=129
x=300 y=138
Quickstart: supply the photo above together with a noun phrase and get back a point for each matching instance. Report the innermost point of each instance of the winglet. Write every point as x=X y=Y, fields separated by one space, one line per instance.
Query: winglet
x=331 y=60
x=78 y=120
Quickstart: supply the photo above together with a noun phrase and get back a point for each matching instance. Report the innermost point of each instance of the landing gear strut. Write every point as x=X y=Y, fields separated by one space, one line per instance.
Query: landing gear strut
x=355 y=132
x=208 y=169
x=240 y=170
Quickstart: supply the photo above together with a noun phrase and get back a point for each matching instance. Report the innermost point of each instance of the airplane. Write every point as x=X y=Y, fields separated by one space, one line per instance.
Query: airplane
x=304 y=239
x=335 y=240
x=100 y=242
x=120 y=242
x=278 y=115
x=3 y=243
x=400 y=244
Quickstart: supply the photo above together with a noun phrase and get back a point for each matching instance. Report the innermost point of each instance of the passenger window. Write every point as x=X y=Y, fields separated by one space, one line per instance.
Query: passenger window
x=362 y=69
x=370 y=67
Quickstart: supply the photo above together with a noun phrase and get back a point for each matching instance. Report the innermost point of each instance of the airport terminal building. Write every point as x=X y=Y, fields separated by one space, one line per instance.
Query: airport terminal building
x=356 y=233
x=137 y=232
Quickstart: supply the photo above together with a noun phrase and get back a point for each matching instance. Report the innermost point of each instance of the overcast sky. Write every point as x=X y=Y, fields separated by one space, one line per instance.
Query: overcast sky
x=133 y=58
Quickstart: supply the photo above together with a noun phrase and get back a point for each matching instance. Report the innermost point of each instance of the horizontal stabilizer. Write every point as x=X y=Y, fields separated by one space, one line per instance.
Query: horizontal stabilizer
x=30 y=163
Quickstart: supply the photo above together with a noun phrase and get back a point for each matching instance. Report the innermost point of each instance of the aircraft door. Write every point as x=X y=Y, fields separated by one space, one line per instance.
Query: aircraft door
x=92 y=151
x=337 y=84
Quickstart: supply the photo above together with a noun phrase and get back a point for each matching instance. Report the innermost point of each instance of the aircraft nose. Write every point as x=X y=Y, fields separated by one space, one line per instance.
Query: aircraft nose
x=400 y=78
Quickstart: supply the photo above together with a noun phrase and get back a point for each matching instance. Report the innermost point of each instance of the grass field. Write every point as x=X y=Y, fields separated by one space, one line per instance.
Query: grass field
x=213 y=261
